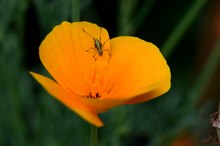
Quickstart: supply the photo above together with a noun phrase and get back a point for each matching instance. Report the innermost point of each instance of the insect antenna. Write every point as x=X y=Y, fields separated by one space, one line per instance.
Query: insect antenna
x=88 y=33
x=100 y=34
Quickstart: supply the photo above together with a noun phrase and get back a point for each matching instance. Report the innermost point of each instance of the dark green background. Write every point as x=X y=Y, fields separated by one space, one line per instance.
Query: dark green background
x=31 y=117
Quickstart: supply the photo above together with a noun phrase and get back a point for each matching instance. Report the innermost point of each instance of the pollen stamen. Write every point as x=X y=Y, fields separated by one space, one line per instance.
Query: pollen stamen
x=91 y=96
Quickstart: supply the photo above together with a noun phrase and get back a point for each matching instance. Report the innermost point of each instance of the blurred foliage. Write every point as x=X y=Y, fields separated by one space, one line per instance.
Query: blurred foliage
x=29 y=116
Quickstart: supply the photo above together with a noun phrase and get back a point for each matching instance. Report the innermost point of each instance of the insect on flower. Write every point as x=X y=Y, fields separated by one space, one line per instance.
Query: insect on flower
x=97 y=44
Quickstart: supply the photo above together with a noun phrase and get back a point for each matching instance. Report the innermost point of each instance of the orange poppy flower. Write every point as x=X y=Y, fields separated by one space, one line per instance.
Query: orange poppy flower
x=184 y=140
x=93 y=73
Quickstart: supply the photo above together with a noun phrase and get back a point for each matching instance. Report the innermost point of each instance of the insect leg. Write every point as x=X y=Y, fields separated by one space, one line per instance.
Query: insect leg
x=90 y=48
x=107 y=51
x=94 y=56
x=105 y=42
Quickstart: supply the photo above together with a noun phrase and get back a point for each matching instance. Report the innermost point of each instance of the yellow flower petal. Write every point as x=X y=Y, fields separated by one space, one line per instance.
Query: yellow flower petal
x=149 y=95
x=67 y=54
x=105 y=102
x=136 y=67
x=137 y=72
x=68 y=99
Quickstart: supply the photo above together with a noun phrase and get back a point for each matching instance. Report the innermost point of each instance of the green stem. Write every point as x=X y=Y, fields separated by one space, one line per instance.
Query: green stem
x=75 y=13
x=125 y=13
x=142 y=15
x=182 y=27
x=93 y=138
x=205 y=75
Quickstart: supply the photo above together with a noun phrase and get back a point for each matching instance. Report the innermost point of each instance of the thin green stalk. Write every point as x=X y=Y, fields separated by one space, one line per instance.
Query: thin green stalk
x=182 y=27
x=142 y=14
x=125 y=13
x=93 y=136
x=75 y=13
x=208 y=70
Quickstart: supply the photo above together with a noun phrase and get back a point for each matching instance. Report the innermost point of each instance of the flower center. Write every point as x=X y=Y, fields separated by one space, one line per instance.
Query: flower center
x=93 y=96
